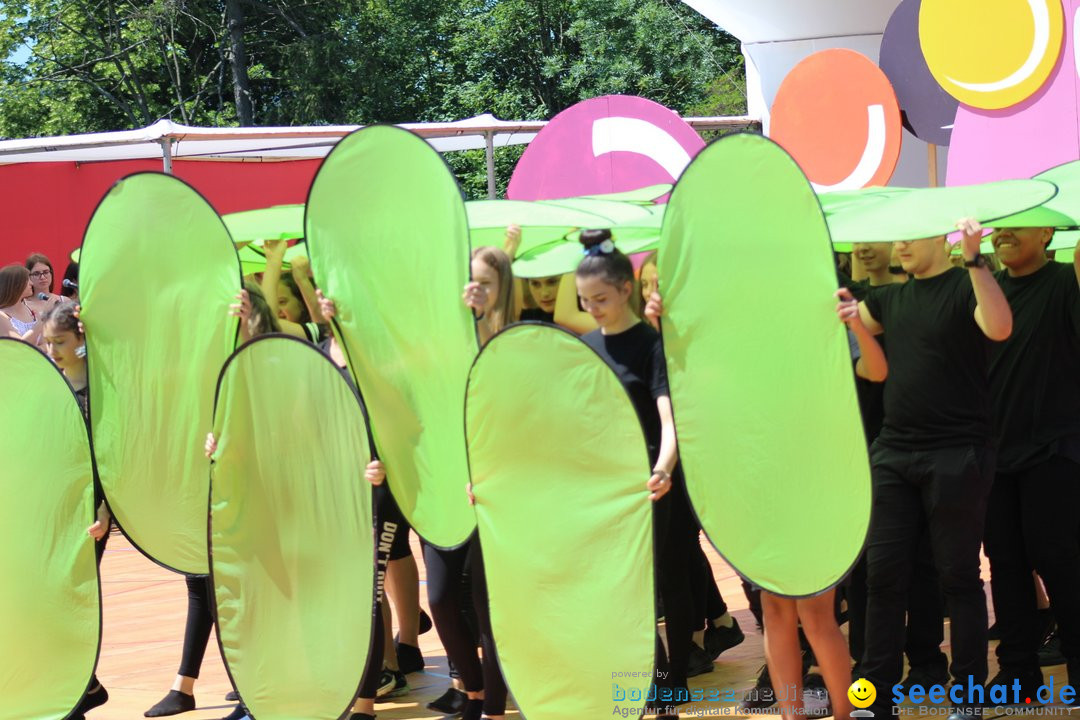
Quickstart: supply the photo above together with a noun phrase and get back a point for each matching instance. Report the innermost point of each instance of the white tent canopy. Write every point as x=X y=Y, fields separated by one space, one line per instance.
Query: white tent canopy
x=248 y=143
x=171 y=141
x=767 y=21
x=275 y=143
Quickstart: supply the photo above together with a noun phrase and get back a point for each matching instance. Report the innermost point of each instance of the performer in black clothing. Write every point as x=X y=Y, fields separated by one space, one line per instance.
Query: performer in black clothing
x=925 y=613
x=66 y=346
x=1032 y=522
x=605 y=284
x=932 y=464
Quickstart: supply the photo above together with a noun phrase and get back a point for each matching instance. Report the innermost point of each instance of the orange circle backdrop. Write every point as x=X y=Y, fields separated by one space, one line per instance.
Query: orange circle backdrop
x=836 y=112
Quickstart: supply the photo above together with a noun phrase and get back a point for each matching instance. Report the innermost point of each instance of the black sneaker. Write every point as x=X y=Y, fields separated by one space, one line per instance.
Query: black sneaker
x=451 y=702
x=392 y=684
x=719 y=639
x=761 y=695
x=1030 y=682
x=409 y=658
x=1051 y=652
x=699 y=663
x=814 y=682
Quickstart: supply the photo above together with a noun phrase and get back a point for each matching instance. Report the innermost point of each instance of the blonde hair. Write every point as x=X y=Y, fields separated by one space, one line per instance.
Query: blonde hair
x=504 y=312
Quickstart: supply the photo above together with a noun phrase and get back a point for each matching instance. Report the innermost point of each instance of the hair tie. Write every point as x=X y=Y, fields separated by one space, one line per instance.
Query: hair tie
x=605 y=248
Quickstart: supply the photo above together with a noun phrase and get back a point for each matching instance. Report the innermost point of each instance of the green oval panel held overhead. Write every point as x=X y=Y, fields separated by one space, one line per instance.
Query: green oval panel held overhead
x=761 y=375
x=559 y=466
x=157 y=276
x=291 y=535
x=1062 y=210
x=540 y=223
x=278 y=222
x=389 y=244
x=639 y=234
x=929 y=212
x=50 y=601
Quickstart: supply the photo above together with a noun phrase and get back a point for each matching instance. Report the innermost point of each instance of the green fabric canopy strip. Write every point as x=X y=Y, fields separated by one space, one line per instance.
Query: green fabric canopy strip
x=761 y=378
x=541 y=223
x=157 y=276
x=559 y=466
x=639 y=234
x=1062 y=210
x=930 y=212
x=280 y=222
x=50 y=601
x=291 y=531
x=389 y=244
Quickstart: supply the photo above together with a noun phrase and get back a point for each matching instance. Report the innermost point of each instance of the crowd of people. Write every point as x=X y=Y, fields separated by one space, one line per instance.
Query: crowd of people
x=971 y=410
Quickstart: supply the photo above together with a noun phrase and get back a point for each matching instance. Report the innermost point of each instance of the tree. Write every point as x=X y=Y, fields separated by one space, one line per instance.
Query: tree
x=98 y=65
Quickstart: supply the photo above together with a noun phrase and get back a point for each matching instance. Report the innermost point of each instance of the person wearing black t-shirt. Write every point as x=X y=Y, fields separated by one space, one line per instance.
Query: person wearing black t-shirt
x=605 y=284
x=1032 y=522
x=932 y=464
x=925 y=614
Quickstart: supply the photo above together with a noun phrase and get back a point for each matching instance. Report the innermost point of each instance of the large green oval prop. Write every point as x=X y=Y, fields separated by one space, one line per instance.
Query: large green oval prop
x=50 y=601
x=559 y=466
x=292 y=550
x=158 y=274
x=930 y=212
x=760 y=369
x=388 y=241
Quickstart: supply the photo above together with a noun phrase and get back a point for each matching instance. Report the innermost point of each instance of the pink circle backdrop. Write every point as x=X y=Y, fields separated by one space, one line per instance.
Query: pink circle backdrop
x=1026 y=139
x=603 y=145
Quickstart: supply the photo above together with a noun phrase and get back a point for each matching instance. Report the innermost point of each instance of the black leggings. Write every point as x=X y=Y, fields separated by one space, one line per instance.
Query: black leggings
x=445 y=596
x=675 y=533
x=200 y=620
x=707 y=602
x=390 y=525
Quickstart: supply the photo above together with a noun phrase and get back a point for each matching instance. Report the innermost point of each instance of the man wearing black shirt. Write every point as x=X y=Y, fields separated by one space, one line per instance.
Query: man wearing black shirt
x=932 y=464
x=1033 y=520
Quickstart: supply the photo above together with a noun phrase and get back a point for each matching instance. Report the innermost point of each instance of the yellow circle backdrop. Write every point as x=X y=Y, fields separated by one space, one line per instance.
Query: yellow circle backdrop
x=991 y=55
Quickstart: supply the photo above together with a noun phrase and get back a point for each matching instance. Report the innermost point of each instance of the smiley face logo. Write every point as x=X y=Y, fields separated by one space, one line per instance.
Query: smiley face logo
x=862 y=693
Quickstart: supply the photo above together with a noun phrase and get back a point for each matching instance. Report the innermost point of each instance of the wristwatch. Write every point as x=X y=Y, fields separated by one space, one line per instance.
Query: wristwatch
x=978 y=262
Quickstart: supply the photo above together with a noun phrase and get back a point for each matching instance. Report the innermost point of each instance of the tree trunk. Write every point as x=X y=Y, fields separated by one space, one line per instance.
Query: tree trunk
x=234 y=18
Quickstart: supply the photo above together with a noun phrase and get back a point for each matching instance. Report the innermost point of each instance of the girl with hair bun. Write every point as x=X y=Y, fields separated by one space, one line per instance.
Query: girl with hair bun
x=66 y=347
x=605 y=284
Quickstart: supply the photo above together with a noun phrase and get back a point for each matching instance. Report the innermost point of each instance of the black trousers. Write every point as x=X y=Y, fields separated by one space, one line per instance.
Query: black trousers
x=675 y=533
x=707 y=602
x=1033 y=523
x=925 y=612
x=446 y=596
x=943 y=492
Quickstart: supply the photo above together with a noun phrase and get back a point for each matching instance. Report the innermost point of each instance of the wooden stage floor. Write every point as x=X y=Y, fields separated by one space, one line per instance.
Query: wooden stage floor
x=145 y=608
